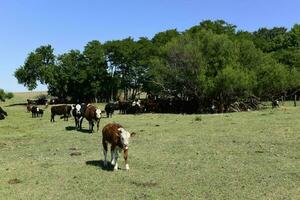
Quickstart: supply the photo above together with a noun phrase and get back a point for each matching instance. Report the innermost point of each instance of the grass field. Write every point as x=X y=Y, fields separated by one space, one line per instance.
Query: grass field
x=250 y=155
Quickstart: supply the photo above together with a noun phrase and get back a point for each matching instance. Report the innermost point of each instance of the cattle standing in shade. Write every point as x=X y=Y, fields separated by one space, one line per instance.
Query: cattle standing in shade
x=92 y=114
x=77 y=114
x=110 y=108
x=118 y=138
x=2 y=114
x=64 y=110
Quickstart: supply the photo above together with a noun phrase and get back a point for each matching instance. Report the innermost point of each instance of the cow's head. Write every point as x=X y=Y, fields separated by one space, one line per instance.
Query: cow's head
x=98 y=113
x=124 y=136
x=77 y=109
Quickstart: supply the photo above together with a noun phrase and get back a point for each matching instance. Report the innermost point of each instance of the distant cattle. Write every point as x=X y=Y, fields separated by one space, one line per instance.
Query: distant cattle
x=110 y=108
x=275 y=103
x=118 y=138
x=39 y=101
x=28 y=107
x=77 y=114
x=36 y=111
x=64 y=110
x=123 y=106
x=92 y=114
x=2 y=114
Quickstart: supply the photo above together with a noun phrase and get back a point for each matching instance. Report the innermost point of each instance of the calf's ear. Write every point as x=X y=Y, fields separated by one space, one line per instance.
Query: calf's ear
x=132 y=134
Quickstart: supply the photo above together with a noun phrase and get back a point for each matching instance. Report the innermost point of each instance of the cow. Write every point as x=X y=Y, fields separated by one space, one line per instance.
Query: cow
x=64 y=110
x=275 y=103
x=2 y=114
x=29 y=107
x=115 y=135
x=110 y=108
x=123 y=106
x=77 y=114
x=36 y=111
x=92 y=114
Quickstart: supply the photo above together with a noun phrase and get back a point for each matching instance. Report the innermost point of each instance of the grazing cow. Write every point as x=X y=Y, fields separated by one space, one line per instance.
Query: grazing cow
x=36 y=111
x=2 y=114
x=64 y=110
x=92 y=114
x=118 y=138
x=110 y=108
x=77 y=114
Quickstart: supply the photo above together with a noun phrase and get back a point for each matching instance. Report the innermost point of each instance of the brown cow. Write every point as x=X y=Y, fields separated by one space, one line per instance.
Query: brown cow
x=92 y=114
x=118 y=137
x=29 y=107
x=64 y=110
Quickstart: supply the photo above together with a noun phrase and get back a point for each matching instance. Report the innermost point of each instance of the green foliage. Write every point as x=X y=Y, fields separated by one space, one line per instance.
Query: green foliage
x=4 y=95
x=35 y=68
x=208 y=62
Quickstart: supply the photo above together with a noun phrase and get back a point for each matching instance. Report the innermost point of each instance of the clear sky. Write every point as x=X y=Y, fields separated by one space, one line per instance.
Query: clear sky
x=70 y=24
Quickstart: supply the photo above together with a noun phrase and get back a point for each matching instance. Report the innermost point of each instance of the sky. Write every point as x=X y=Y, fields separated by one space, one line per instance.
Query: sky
x=71 y=24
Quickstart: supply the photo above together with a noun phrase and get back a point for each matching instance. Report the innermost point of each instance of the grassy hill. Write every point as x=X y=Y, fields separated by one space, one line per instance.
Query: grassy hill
x=250 y=155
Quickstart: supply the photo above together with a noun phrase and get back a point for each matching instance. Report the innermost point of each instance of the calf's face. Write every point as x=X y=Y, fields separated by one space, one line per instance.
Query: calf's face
x=78 y=109
x=124 y=136
x=98 y=113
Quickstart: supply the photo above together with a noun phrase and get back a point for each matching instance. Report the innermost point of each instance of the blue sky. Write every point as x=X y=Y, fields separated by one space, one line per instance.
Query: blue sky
x=70 y=24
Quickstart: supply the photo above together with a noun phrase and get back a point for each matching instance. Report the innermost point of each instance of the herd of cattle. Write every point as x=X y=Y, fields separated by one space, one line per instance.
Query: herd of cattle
x=113 y=133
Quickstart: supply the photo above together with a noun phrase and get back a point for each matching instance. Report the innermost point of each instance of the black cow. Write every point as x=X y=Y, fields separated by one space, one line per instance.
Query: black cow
x=64 y=110
x=2 y=114
x=36 y=111
x=110 y=108
x=77 y=114
x=275 y=103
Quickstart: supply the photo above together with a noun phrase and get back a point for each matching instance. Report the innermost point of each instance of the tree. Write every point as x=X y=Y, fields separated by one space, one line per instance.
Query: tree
x=4 y=95
x=35 y=68
x=274 y=39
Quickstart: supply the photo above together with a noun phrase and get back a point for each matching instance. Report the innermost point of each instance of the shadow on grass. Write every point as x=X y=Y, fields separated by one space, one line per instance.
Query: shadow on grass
x=100 y=163
x=16 y=104
x=73 y=128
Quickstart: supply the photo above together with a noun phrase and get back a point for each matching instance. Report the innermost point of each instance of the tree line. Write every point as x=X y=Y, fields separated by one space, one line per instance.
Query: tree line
x=209 y=62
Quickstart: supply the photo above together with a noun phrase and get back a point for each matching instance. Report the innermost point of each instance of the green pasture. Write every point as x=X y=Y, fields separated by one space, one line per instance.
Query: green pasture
x=249 y=155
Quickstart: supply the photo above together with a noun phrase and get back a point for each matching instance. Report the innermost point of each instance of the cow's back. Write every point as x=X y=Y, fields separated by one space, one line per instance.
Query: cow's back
x=110 y=133
x=90 y=112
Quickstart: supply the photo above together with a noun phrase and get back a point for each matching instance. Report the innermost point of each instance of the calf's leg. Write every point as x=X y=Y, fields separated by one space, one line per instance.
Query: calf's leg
x=104 y=151
x=125 y=158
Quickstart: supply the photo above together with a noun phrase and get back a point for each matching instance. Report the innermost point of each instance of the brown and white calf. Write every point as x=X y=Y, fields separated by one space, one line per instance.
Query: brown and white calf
x=118 y=138
x=92 y=114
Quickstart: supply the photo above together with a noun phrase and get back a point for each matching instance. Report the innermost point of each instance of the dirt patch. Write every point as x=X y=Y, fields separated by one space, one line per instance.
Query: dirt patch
x=75 y=154
x=2 y=144
x=259 y=151
x=14 y=181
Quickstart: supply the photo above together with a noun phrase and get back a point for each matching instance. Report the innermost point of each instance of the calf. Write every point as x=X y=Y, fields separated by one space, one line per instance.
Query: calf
x=92 y=114
x=36 y=111
x=77 y=114
x=2 y=114
x=275 y=103
x=118 y=137
x=64 y=110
